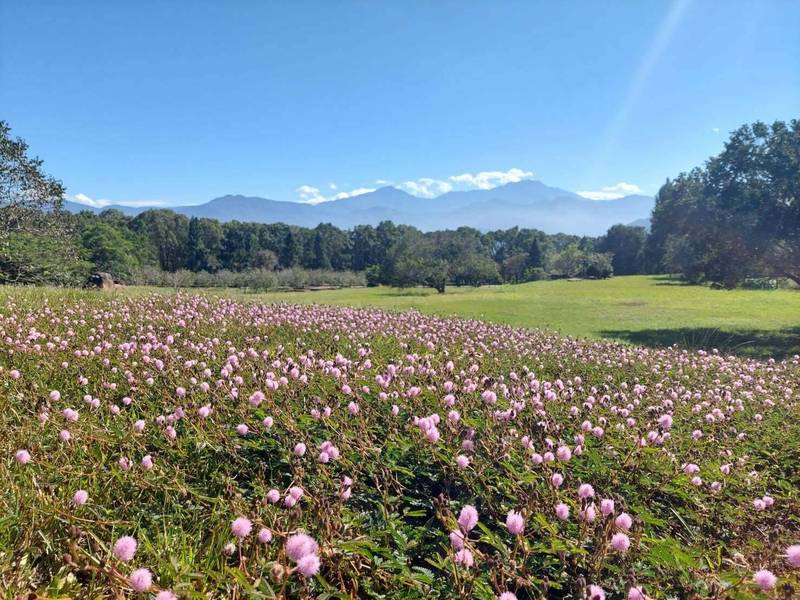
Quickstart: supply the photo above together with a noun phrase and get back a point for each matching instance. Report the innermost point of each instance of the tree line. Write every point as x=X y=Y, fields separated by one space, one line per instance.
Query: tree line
x=388 y=253
x=734 y=220
x=737 y=218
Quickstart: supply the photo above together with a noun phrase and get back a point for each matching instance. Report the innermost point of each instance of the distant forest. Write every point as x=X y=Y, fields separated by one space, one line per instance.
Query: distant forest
x=735 y=220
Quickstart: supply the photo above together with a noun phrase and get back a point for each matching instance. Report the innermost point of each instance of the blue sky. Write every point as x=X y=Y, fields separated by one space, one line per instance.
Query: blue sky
x=180 y=102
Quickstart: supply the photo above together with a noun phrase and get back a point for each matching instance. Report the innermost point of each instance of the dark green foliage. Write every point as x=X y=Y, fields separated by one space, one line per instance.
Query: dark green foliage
x=34 y=242
x=28 y=258
x=575 y=261
x=738 y=216
x=626 y=245
x=108 y=250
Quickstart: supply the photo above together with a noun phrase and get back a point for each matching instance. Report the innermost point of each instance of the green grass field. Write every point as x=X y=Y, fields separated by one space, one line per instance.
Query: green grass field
x=642 y=310
x=653 y=311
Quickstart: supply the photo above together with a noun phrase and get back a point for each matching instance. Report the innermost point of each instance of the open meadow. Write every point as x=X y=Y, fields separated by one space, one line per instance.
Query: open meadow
x=643 y=310
x=195 y=446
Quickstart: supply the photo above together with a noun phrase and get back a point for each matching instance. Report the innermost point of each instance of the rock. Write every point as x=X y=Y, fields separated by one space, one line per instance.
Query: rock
x=100 y=281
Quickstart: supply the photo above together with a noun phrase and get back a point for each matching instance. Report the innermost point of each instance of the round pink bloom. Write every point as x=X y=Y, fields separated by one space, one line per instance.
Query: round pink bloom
x=623 y=521
x=432 y=435
x=141 y=580
x=765 y=579
x=241 y=527
x=166 y=595
x=464 y=558
x=264 y=535
x=585 y=491
x=468 y=518
x=507 y=596
x=299 y=449
x=620 y=542
x=125 y=548
x=242 y=429
x=147 y=462
x=606 y=506
x=300 y=545
x=596 y=593
x=562 y=511
x=308 y=565
x=457 y=540
x=462 y=461
x=515 y=523
x=80 y=497
x=691 y=468
x=793 y=555
x=55 y=396
x=636 y=593
x=557 y=479
x=273 y=496
x=563 y=453
x=23 y=457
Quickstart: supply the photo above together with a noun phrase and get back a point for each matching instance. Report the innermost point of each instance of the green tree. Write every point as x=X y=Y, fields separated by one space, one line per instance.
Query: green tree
x=474 y=269
x=27 y=193
x=107 y=249
x=627 y=247
x=739 y=215
x=30 y=204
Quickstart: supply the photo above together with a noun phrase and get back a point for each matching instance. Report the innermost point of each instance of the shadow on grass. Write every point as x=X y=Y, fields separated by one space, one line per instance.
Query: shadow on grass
x=672 y=280
x=404 y=292
x=754 y=343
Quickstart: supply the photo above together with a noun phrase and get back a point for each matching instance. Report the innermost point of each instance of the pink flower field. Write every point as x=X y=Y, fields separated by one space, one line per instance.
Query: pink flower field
x=193 y=447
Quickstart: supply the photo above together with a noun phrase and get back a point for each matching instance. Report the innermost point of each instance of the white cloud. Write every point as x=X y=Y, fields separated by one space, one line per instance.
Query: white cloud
x=715 y=129
x=613 y=192
x=350 y=194
x=486 y=180
x=84 y=199
x=311 y=195
x=81 y=198
x=426 y=187
x=333 y=186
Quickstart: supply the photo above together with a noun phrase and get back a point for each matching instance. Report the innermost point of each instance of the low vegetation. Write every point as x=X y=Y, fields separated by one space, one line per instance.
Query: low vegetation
x=733 y=222
x=194 y=446
x=644 y=310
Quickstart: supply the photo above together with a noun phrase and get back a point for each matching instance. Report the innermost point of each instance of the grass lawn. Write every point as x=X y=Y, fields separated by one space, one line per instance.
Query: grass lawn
x=643 y=310
x=647 y=310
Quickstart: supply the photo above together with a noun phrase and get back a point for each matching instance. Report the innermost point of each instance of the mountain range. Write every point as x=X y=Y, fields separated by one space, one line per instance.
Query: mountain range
x=528 y=203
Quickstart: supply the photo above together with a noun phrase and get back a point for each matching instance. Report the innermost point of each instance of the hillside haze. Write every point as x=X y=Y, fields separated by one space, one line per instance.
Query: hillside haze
x=529 y=204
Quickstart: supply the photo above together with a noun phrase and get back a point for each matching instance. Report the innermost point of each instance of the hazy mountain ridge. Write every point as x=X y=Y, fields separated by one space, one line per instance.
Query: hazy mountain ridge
x=525 y=204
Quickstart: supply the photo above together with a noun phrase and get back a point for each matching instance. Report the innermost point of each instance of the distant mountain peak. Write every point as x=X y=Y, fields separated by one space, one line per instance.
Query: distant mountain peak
x=527 y=203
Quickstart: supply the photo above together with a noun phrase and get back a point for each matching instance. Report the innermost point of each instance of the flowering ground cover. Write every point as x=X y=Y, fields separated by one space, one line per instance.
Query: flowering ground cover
x=193 y=447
